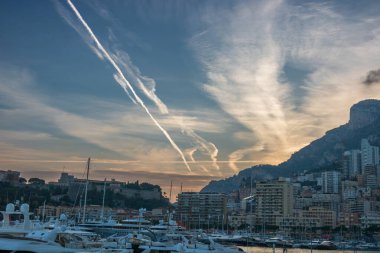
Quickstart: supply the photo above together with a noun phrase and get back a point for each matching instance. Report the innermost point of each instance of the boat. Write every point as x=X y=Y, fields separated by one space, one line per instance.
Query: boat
x=10 y=243
x=24 y=235
x=29 y=245
x=111 y=227
x=278 y=242
x=166 y=226
x=188 y=245
x=326 y=245
x=238 y=240
x=308 y=244
x=17 y=222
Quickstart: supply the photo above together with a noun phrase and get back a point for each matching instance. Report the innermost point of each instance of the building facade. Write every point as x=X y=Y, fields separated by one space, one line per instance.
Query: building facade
x=370 y=154
x=273 y=200
x=331 y=182
x=352 y=163
x=201 y=210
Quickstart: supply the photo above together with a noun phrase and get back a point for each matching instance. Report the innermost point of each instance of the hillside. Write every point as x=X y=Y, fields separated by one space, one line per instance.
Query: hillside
x=364 y=123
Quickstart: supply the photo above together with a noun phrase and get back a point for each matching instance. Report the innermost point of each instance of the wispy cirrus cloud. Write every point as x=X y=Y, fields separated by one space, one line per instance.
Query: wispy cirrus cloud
x=100 y=128
x=247 y=53
x=94 y=42
x=127 y=75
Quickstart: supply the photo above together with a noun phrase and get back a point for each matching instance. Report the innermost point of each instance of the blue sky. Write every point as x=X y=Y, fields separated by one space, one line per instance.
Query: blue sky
x=232 y=83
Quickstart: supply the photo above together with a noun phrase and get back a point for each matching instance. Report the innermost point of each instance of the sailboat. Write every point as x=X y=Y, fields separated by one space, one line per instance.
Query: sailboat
x=109 y=227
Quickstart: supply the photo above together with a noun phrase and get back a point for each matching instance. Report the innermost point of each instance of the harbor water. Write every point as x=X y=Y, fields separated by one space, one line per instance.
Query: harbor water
x=296 y=250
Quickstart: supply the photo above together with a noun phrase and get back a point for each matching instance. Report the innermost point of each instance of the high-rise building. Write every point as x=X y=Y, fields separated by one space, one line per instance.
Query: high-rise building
x=201 y=209
x=273 y=200
x=331 y=182
x=370 y=154
x=370 y=176
x=352 y=163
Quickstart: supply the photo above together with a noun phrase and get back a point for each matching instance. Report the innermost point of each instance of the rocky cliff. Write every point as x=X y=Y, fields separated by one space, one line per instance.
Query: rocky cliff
x=364 y=123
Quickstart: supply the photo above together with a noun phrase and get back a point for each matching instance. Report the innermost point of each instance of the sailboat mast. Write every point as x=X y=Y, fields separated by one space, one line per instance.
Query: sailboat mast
x=85 y=193
x=171 y=187
x=104 y=197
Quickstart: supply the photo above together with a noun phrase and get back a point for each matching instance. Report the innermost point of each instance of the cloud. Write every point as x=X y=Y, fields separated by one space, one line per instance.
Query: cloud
x=37 y=135
x=106 y=131
x=93 y=41
x=372 y=77
x=245 y=51
x=129 y=76
x=145 y=84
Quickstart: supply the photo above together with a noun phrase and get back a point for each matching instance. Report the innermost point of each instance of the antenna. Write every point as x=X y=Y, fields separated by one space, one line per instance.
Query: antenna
x=170 y=193
x=85 y=193
x=104 y=196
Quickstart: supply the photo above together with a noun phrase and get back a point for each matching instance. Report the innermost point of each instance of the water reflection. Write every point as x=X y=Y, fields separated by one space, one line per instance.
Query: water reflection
x=291 y=250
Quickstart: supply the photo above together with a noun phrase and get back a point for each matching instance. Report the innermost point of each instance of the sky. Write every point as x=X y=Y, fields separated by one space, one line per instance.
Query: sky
x=182 y=91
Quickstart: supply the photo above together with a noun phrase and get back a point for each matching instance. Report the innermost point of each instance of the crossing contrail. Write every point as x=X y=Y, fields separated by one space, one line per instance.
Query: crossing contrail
x=125 y=83
x=203 y=145
x=147 y=86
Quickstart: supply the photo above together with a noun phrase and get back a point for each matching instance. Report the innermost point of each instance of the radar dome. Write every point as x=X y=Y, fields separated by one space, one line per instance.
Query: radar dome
x=10 y=208
x=24 y=208
x=347 y=153
x=62 y=217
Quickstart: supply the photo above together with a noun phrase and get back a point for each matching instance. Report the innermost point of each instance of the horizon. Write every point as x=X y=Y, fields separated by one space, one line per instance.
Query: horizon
x=177 y=91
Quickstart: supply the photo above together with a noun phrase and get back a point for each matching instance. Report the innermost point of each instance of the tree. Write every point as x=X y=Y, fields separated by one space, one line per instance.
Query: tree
x=149 y=187
x=22 y=180
x=36 y=181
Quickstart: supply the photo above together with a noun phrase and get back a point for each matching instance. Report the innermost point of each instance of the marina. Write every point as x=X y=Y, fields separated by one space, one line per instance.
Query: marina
x=172 y=126
x=138 y=235
x=296 y=250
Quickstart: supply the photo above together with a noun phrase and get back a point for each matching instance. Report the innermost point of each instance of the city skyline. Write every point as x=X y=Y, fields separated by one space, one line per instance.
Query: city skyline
x=222 y=86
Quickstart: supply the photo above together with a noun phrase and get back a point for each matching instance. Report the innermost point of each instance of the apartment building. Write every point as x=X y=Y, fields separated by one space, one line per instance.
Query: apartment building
x=198 y=209
x=273 y=200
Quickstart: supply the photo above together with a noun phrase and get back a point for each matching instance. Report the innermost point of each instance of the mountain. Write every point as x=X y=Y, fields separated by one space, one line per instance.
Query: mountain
x=324 y=152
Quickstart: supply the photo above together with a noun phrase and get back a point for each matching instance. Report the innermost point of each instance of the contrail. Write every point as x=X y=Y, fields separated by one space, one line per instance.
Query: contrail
x=203 y=145
x=125 y=84
x=191 y=152
x=123 y=61
x=132 y=72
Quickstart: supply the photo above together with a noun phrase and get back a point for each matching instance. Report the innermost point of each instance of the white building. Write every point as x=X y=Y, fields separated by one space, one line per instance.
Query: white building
x=352 y=163
x=331 y=182
x=274 y=199
x=370 y=154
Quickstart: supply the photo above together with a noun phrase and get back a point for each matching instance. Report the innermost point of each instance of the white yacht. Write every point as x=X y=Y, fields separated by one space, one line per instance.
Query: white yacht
x=27 y=245
x=189 y=246
x=111 y=227
x=17 y=222
x=59 y=240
